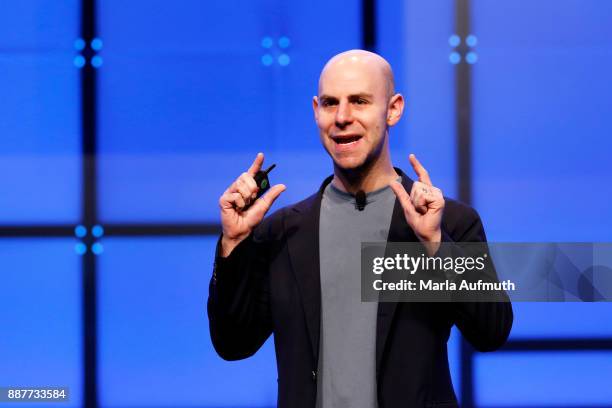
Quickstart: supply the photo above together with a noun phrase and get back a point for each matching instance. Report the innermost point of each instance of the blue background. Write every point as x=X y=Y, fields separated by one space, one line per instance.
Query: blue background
x=186 y=98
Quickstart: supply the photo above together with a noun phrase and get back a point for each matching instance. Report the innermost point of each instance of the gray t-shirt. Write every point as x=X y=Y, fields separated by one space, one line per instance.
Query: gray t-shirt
x=347 y=355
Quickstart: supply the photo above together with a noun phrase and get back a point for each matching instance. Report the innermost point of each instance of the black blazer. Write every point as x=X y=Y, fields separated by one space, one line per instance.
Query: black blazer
x=270 y=283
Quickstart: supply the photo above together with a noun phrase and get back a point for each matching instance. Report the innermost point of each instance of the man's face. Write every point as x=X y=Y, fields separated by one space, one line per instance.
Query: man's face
x=351 y=112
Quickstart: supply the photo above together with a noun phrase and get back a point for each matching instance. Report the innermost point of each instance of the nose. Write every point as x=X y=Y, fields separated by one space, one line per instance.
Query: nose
x=344 y=116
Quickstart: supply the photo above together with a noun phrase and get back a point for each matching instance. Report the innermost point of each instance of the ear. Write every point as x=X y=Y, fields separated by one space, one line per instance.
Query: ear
x=395 y=109
x=315 y=107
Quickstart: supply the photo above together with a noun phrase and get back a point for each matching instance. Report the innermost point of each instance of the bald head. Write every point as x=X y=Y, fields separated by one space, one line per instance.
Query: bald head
x=354 y=109
x=367 y=62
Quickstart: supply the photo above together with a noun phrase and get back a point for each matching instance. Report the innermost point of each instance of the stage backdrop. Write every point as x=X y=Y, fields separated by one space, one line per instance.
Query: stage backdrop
x=185 y=93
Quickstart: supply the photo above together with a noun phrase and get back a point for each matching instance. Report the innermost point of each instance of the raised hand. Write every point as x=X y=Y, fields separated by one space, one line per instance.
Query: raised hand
x=423 y=207
x=236 y=222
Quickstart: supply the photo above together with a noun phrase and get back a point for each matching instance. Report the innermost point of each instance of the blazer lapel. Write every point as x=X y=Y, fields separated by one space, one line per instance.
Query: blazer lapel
x=399 y=231
x=302 y=226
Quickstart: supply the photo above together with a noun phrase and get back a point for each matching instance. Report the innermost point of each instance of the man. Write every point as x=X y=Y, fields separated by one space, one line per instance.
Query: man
x=296 y=274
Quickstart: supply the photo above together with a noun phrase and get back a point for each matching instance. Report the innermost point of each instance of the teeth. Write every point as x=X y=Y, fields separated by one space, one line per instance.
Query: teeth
x=347 y=140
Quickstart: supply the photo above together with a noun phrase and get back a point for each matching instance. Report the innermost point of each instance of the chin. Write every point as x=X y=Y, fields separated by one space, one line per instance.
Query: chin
x=349 y=163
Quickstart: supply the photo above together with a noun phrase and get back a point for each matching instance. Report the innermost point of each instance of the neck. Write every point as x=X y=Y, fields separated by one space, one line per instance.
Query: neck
x=369 y=177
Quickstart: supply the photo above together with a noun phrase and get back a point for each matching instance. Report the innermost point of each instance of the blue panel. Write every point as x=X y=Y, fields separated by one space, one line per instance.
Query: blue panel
x=181 y=120
x=153 y=331
x=183 y=26
x=541 y=93
x=319 y=26
x=40 y=316
x=184 y=105
x=40 y=142
x=413 y=36
x=546 y=379
x=41 y=25
x=551 y=320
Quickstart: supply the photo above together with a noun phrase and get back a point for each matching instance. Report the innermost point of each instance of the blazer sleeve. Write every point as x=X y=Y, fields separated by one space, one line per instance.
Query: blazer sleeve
x=238 y=300
x=486 y=325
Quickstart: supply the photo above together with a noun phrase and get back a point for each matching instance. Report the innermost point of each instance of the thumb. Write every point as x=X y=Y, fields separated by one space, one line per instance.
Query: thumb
x=404 y=199
x=263 y=203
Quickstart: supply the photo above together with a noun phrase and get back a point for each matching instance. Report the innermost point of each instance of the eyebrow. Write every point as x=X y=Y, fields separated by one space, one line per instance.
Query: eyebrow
x=326 y=97
x=358 y=95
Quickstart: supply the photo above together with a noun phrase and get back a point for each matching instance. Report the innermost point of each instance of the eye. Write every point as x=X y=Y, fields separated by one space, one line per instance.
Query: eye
x=328 y=102
x=359 y=100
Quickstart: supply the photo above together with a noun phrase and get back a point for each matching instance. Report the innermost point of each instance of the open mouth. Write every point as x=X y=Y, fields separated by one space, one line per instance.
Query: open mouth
x=347 y=139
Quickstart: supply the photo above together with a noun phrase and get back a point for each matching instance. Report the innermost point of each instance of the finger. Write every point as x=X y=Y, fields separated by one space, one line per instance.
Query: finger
x=421 y=196
x=400 y=192
x=436 y=193
x=404 y=198
x=226 y=201
x=244 y=191
x=237 y=200
x=256 y=166
x=231 y=200
x=437 y=201
x=419 y=170
x=250 y=184
x=419 y=203
x=263 y=203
